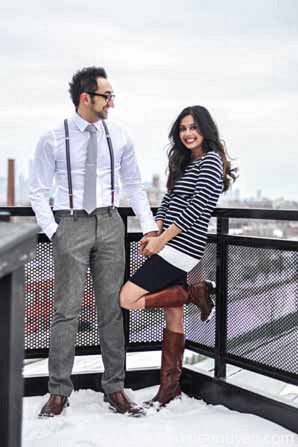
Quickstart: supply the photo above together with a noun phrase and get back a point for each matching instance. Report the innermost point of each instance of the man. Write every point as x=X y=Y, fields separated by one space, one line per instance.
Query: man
x=87 y=231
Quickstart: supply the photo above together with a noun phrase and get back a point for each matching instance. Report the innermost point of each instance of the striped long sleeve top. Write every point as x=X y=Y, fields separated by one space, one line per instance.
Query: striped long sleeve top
x=189 y=206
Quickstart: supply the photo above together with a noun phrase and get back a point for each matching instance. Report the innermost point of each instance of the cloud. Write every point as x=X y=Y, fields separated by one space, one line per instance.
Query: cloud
x=239 y=59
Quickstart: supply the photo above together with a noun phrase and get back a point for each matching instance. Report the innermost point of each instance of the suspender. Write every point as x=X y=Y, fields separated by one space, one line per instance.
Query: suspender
x=109 y=141
x=70 y=194
x=68 y=165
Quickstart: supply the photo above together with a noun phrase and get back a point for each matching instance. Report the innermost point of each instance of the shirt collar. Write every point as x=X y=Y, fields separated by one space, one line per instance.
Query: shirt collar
x=82 y=124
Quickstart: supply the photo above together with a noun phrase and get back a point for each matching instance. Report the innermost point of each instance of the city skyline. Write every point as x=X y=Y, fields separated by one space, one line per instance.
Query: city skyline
x=239 y=60
x=155 y=187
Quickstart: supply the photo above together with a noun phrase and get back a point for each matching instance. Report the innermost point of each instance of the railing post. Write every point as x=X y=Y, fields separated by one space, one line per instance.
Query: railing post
x=126 y=277
x=221 y=297
x=17 y=245
x=4 y=216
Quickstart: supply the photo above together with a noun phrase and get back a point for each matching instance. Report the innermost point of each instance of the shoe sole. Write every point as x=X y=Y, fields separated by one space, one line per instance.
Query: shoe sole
x=211 y=291
x=112 y=408
x=135 y=415
x=212 y=312
x=211 y=285
x=157 y=405
x=52 y=415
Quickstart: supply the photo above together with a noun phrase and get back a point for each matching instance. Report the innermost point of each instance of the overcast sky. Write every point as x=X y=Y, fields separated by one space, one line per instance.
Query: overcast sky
x=237 y=58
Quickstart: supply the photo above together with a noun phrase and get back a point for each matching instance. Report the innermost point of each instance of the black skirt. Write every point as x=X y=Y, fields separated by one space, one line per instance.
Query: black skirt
x=156 y=274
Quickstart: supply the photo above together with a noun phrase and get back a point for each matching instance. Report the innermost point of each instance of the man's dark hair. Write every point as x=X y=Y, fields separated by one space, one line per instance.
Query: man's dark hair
x=85 y=80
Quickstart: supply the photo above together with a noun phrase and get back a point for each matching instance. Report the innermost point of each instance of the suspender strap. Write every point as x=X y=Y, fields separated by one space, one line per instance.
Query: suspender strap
x=109 y=141
x=70 y=194
x=108 y=137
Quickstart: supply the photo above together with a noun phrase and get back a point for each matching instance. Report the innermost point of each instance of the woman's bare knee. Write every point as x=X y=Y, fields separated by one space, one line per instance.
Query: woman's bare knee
x=130 y=295
x=124 y=300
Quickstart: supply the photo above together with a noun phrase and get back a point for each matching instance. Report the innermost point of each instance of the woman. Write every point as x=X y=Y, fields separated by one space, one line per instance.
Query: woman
x=198 y=172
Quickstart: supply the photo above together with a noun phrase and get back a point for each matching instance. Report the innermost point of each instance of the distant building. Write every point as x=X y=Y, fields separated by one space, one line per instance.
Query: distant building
x=154 y=191
x=22 y=191
x=3 y=190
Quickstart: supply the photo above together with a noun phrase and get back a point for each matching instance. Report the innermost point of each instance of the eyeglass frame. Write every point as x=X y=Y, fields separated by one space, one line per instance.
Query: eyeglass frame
x=107 y=96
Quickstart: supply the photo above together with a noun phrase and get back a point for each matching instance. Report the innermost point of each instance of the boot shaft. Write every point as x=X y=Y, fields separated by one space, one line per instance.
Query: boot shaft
x=173 y=344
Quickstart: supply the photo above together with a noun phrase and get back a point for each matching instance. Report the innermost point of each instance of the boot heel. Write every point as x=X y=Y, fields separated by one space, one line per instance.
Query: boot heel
x=212 y=312
x=211 y=285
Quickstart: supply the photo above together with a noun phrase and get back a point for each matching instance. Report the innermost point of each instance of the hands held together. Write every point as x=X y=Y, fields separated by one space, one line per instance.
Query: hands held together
x=154 y=241
x=151 y=244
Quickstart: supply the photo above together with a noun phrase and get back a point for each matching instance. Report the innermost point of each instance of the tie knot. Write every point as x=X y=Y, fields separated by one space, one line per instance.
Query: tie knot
x=91 y=128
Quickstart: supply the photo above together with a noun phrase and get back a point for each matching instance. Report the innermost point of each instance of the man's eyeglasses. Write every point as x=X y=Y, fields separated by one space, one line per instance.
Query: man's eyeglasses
x=107 y=96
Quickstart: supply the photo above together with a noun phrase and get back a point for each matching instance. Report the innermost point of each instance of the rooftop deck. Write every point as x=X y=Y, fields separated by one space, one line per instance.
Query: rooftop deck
x=254 y=329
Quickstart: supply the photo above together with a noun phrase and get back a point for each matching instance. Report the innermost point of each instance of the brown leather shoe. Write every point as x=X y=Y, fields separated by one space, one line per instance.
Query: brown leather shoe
x=54 y=406
x=120 y=403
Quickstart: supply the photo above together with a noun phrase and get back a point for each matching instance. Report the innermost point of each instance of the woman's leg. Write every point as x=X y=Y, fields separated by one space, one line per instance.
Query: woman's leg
x=174 y=319
x=173 y=343
x=172 y=289
x=132 y=296
x=155 y=274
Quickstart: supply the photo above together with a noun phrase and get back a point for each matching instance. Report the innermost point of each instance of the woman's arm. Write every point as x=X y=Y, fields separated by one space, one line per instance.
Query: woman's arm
x=159 y=223
x=209 y=180
x=163 y=207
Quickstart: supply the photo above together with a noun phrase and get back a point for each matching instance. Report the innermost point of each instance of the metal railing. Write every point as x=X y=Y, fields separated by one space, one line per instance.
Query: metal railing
x=256 y=321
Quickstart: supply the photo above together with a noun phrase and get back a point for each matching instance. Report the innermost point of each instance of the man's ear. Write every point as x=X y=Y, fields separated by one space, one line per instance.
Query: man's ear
x=84 y=98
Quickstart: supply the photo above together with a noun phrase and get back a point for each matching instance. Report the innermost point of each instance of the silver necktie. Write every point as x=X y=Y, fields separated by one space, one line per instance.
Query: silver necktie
x=89 y=199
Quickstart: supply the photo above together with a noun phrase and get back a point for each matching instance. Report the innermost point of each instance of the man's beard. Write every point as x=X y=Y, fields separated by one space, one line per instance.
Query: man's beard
x=102 y=115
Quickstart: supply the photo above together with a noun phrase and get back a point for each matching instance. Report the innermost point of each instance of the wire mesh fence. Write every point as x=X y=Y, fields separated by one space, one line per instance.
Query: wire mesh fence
x=260 y=298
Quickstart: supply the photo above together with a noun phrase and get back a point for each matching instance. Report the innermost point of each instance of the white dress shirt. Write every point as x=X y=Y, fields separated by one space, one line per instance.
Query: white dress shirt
x=50 y=164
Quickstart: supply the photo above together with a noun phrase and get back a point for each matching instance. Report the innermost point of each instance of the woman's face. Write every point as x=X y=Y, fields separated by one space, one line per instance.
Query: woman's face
x=190 y=135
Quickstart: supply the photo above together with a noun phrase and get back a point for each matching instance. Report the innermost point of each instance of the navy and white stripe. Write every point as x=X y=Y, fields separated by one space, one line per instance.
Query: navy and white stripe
x=191 y=202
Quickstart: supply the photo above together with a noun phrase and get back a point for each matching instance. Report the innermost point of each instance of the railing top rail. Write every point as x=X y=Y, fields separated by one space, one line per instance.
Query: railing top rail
x=237 y=213
x=256 y=213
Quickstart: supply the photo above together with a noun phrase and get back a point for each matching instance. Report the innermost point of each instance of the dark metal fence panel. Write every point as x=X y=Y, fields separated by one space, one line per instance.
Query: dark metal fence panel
x=39 y=294
x=145 y=326
x=196 y=331
x=39 y=305
x=257 y=297
x=262 y=307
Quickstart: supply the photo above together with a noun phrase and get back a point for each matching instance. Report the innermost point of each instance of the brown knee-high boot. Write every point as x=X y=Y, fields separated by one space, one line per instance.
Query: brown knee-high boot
x=175 y=296
x=171 y=368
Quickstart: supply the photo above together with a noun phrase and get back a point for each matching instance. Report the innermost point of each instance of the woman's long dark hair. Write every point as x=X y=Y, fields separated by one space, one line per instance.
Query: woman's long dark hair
x=180 y=156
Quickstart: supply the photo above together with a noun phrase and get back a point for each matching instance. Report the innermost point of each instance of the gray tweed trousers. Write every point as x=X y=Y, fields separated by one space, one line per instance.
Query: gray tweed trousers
x=97 y=241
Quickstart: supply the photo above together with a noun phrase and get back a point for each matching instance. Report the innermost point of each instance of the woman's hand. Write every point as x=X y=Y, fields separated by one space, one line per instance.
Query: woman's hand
x=153 y=245
x=145 y=238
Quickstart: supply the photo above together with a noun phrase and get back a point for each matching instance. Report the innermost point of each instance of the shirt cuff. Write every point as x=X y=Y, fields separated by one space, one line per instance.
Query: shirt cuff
x=50 y=230
x=149 y=226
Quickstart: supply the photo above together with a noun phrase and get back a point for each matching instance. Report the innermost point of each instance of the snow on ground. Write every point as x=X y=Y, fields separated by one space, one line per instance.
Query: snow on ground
x=89 y=422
